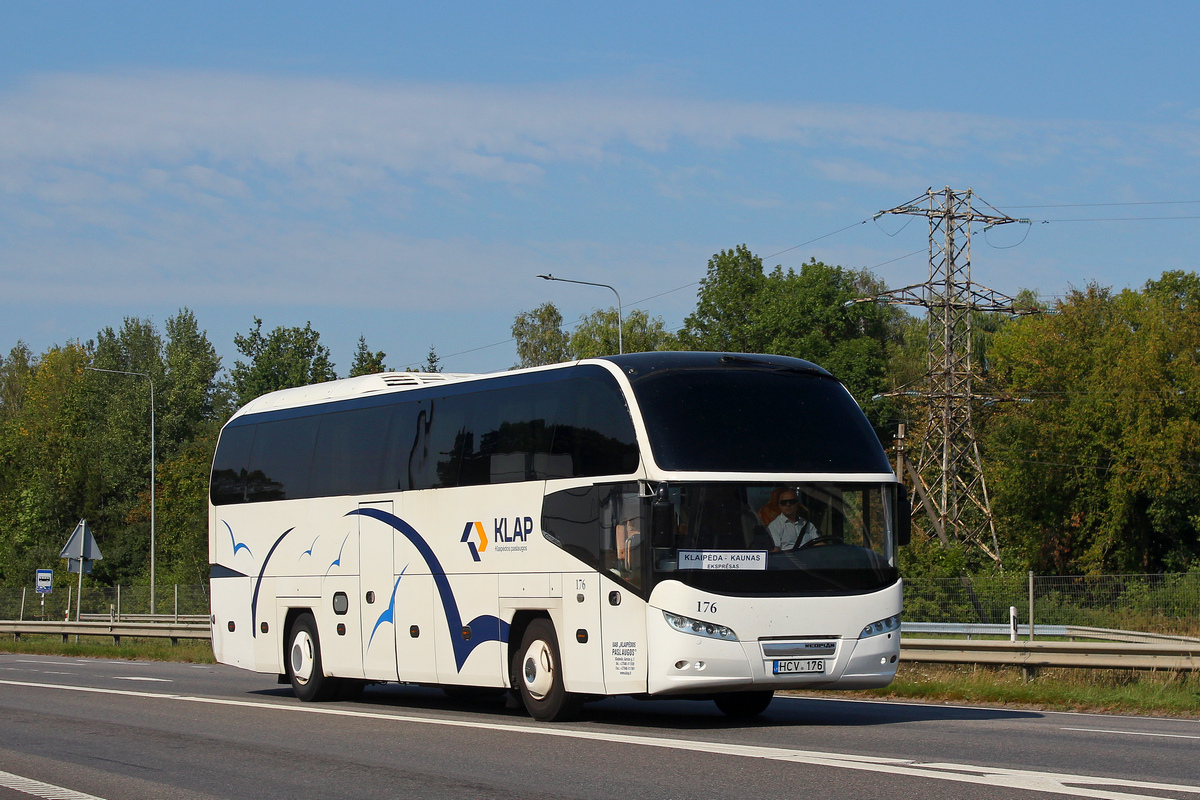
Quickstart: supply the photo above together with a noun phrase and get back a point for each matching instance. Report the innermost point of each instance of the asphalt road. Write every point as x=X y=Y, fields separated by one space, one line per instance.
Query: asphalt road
x=74 y=728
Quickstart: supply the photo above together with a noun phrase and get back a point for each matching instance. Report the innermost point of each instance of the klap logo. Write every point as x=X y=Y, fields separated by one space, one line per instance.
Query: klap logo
x=475 y=527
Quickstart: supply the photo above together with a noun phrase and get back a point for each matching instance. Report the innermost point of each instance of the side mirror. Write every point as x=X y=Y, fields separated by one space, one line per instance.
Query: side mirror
x=903 y=516
x=662 y=519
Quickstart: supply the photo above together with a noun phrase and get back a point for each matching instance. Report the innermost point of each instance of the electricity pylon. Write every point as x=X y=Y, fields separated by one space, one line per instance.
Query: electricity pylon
x=949 y=474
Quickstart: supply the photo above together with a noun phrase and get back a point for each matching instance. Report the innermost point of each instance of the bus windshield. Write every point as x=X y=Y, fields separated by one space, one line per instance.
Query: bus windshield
x=750 y=538
x=764 y=418
x=732 y=538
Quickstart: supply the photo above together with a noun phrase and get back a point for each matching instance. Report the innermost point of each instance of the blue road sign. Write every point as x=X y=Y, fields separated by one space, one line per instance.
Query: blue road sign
x=45 y=581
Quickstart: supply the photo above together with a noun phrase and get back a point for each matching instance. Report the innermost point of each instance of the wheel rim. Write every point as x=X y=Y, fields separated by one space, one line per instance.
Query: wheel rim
x=302 y=657
x=538 y=670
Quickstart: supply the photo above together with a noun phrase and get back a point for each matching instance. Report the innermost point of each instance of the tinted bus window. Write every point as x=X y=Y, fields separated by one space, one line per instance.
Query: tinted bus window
x=601 y=526
x=404 y=438
x=441 y=436
x=349 y=452
x=755 y=420
x=594 y=434
x=229 y=465
x=280 y=459
x=511 y=432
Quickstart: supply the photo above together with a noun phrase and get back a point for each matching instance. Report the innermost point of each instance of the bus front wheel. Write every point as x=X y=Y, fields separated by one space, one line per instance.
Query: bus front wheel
x=308 y=679
x=538 y=676
x=743 y=704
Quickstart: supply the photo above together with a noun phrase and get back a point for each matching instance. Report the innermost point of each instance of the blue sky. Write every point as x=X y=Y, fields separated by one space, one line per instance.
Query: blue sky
x=402 y=171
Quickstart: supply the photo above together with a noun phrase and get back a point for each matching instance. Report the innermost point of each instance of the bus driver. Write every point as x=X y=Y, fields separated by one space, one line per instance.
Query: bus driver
x=790 y=529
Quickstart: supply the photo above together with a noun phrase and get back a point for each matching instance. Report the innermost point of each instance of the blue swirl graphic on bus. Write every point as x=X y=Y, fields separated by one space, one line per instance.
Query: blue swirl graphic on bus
x=236 y=544
x=337 y=562
x=484 y=628
x=308 y=552
x=390 y=614
x=258 y=584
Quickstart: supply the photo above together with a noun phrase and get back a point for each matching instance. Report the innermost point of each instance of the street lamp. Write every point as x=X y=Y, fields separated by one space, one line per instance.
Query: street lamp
x=147 y=377
x=620 y=339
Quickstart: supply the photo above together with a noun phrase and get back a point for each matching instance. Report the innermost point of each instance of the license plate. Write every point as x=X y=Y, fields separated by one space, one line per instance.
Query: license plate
x=800 y=666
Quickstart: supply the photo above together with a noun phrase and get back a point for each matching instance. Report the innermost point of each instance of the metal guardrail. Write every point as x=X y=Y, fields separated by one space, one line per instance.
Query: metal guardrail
x=153 y=630
x=155 y=618
x=1169 y=656
x=1170 y=653
x=969 y=629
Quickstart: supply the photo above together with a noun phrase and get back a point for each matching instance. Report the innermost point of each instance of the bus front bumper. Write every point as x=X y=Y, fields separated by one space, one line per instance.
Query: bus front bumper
x=682 y=663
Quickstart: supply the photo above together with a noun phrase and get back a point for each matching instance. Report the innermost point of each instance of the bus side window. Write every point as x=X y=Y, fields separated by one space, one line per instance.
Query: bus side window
x=403 y=440
x=349 y=452
x=231 y=465
x=594 y=428
x=439 y=439
x=599 y=525
x=281 y=459
x=571 y=519
x=516 y=438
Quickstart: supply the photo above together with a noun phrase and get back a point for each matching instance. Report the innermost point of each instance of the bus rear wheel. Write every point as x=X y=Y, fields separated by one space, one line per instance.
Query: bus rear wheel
x=304 y=669
x=538 y=677
x=744 y=704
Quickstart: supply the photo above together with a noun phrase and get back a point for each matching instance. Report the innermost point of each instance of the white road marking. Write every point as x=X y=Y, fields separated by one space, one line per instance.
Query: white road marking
x=137 y=678
x=1135 y=733
x=51 y=672
x=38 y=789
x=1031 y=780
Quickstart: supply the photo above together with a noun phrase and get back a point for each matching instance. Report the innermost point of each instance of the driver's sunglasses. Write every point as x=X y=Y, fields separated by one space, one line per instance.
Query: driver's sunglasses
x=789 y=502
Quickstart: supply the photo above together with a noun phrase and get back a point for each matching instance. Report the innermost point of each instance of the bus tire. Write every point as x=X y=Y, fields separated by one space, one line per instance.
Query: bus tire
x=537 y=674
x=744 y=704
x=304 y=668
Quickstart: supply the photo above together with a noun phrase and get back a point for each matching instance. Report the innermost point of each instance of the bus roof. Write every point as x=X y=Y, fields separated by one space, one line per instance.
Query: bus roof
x=344 y=388
x=633 y=364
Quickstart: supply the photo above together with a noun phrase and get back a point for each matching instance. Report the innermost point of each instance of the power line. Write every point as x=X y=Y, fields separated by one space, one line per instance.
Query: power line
x=1114 y=219
x=1099 y=205
x=819 y=238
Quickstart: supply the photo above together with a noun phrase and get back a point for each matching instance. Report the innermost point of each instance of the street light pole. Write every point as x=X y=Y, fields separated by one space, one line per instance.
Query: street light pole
x=151 y=380
x=620 y=339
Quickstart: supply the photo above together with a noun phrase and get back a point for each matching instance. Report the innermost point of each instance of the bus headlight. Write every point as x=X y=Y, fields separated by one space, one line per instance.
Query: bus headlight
x=698 y=627
x=882 y=626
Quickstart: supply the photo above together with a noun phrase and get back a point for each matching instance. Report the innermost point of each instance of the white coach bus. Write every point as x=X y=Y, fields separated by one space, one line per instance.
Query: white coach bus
x=568 y=532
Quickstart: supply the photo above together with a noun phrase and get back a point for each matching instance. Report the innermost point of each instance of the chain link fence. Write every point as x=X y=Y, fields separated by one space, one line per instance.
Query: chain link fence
x=120 y=602
x=1149 y=603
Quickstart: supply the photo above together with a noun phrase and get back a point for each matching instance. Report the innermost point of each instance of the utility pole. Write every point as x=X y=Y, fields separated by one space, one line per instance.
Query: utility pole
x=949 y=472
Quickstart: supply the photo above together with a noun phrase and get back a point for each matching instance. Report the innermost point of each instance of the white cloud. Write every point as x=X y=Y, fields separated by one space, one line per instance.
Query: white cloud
x=250 y=127
x=198 y=186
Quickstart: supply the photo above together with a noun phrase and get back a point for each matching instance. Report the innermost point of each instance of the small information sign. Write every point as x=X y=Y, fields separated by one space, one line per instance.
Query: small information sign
x=45 y=581
x=722 y=559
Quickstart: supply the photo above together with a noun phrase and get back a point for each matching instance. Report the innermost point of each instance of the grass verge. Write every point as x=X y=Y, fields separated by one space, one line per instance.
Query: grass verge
x=1175 y=694
x=191 y=651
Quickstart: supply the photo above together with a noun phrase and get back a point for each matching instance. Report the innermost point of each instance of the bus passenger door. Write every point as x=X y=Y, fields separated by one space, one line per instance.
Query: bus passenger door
x=377 y=599
x=623 y=624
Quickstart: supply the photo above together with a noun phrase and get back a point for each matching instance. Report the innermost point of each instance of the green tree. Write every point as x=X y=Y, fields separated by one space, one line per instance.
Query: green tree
x=190 y=396
x=596 y=334
x=284 y=358
x=367 y=361
x=44 y=461
x=807 y=314
x=727 y=314
x=15 y=371
x=432 y=362
x=76 y=443
x=540 y=337
x=182 y=513
x=1097 y=471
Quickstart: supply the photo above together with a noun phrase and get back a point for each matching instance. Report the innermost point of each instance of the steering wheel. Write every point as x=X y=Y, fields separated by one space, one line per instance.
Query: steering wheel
x=820 y=540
